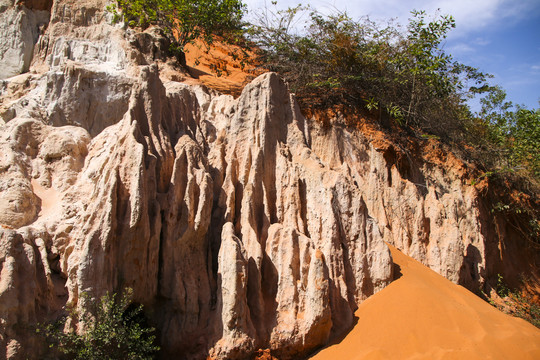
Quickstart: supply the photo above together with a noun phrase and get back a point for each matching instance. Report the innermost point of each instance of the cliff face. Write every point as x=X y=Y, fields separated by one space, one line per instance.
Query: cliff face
x=238 y=223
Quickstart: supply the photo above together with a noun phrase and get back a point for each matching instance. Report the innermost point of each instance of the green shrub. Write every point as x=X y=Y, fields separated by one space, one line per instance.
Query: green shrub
x=360 y=64
x=113 y=328
x=516 y=304
x=183 y=21
x=502 y=289
x=514 y=133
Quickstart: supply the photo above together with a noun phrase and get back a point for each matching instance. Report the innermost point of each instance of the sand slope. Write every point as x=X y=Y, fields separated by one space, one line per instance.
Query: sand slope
x=424 y=316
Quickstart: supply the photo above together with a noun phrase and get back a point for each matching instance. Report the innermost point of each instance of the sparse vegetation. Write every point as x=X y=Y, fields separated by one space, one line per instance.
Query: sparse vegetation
x=361 y=65
x=113 y=328
x=511 y=134
x=516 y=304
x=396 y=73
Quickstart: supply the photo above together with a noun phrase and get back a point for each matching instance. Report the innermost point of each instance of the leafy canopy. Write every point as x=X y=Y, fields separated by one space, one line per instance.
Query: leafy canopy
x=337 y=60
x=183 y=20
x=513 y=132
x=113 y=329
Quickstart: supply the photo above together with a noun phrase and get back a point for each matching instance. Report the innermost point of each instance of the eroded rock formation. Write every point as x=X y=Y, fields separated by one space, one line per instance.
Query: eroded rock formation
x=238 y=223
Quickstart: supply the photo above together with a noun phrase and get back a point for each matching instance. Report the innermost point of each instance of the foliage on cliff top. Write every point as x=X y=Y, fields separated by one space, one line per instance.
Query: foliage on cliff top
x=404 y=73
x=512 y=133
x=183 y=21
x=401 y=74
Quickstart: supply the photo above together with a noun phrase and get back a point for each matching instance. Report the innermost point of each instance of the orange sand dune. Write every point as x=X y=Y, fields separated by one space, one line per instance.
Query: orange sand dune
x=424 y=316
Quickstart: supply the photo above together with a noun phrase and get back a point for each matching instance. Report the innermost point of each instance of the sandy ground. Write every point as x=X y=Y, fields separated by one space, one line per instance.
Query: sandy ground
x=424 y=316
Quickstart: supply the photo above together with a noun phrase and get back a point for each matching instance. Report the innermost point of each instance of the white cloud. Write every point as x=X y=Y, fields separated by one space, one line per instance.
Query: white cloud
x=481 y=41
x=461 y=48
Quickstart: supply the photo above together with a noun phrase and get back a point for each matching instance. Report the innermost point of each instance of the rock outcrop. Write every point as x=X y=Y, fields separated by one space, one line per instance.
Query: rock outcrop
x=22 y=25
x=238 y=223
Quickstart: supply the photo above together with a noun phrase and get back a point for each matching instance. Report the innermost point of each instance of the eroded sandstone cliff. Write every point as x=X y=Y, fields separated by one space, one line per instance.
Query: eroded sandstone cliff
x=238 y=223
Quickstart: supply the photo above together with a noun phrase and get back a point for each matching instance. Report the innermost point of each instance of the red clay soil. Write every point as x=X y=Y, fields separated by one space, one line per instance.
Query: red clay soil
x=218 y=69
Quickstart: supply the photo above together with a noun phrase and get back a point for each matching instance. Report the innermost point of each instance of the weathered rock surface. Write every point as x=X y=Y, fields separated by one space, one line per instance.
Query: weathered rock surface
x=238 y=223
x=22 y=24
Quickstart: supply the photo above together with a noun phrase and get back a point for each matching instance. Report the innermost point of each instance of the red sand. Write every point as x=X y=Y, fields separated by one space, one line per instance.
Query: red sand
x=424 y=316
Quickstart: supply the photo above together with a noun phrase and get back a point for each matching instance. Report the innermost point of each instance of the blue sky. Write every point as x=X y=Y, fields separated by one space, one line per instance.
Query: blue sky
x=500 y=37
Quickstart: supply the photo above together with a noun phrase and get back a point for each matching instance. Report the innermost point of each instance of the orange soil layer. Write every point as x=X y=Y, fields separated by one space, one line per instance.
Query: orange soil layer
x=422 y=315
x=204 y=66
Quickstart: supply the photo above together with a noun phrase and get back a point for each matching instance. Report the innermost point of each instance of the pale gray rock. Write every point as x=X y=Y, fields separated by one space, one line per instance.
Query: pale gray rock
x=299 y=288
x=36 y=155
x=234 y=330
x=20 y=31
x=102 y=97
